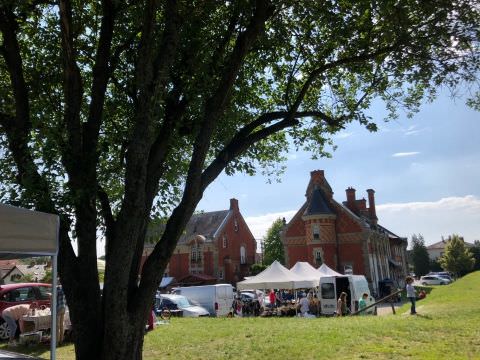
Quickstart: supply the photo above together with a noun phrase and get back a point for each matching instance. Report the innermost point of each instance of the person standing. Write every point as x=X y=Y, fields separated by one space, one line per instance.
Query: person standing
x=13 y=314
x=303 y=303
x=362 y=303
x=272 y=298
x=411 y=294
x=342 y=304
x=61 y=307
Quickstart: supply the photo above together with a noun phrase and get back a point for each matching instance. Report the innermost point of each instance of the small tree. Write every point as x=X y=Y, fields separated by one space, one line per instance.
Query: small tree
x=475 y=250
x=420 y=258
x=273 y=247
x=457 y=258
x=257 y=268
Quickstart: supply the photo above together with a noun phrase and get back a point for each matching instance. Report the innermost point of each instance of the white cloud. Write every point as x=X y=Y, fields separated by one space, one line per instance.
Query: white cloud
x=343 y=135
x=404 y=154
x=292 y=156
x=433 y=219
x=259 y=225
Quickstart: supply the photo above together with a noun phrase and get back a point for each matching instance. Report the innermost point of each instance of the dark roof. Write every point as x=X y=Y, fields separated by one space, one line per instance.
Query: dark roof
x=443 y=243
x=205 y=224
x=317 y=204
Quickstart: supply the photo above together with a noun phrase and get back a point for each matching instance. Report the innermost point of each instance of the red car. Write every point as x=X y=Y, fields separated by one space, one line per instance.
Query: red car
x=22 y=293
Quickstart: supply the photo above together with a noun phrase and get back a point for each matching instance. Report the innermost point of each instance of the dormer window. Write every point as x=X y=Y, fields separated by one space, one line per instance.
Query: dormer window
x=224 y=240
x=316 y=231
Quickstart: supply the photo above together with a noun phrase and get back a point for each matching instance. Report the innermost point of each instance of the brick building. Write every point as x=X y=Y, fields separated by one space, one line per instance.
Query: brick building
x=345 y=236
x=216 y=246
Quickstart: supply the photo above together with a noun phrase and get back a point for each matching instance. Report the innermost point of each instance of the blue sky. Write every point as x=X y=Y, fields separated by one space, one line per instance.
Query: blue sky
x=425 y=172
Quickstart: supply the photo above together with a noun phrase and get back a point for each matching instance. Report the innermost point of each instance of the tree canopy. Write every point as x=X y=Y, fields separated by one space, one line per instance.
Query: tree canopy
x=272 y=244
x=113 y=112
x=457 y=258
x=420 y=258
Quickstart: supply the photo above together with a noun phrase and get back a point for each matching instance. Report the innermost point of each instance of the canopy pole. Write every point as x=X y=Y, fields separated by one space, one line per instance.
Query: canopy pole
x=53 y=308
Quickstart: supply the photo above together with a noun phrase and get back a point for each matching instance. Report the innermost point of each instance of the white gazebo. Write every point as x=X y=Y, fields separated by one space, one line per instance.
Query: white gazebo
x=31 y=233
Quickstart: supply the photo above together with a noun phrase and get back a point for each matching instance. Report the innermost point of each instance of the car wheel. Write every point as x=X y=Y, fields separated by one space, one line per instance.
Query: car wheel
x=424 y=283
x=4 y=331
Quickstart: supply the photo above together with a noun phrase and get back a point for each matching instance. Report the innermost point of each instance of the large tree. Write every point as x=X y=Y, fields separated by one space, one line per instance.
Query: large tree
x=112 y=112
x=456 y=257
x=272 y=243
x=419 y=255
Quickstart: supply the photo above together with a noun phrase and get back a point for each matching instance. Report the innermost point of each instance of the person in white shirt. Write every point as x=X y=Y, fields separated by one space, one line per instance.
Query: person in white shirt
x=411 y=294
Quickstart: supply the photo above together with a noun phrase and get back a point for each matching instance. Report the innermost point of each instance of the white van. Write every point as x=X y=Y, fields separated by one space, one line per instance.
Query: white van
x=217 y=299
x=332 y=286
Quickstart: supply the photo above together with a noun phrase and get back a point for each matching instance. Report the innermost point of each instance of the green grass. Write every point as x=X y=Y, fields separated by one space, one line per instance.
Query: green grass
x=448 y=327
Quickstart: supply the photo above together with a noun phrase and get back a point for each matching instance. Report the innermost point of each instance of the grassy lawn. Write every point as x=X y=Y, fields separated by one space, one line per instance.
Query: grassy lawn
x=447 y=327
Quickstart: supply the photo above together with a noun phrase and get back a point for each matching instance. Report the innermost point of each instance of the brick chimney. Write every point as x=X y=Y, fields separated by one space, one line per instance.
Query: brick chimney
x=234 y=204
x=351 y=198
x=317 y=176
x=371 y=205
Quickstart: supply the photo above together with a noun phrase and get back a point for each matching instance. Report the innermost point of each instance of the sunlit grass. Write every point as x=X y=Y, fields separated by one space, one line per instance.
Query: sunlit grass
x=447 y=327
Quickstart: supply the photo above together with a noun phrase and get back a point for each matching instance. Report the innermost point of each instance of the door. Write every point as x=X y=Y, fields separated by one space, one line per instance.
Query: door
x=328 y=298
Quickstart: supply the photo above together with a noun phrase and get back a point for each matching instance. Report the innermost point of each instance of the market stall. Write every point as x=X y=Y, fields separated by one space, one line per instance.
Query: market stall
x=31 y=233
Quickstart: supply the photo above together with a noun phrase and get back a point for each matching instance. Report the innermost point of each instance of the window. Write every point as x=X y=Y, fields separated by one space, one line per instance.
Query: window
x=225 y=244
x=316 y=231
x=195 y=255
x=45 y=292
x=235 y=225
x=21 y=294
x=318 y=257
x=328 y=291
x=243 y=255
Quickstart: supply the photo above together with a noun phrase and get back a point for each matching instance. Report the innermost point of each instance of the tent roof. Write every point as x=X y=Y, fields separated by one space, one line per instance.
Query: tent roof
x=326 y=271
x=276 y=276
x=305 y=270
x=29 y=232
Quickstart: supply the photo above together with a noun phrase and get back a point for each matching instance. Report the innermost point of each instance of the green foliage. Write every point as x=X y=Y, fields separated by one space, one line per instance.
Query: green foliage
x=419 y=255
x=48 y=276
x=272 y=245
x=435 y=265
x=457 y=258
x=475 y=250
x=257 y=268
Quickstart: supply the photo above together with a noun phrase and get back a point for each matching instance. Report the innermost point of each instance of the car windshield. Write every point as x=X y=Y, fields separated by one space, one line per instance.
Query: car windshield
x=182 y=302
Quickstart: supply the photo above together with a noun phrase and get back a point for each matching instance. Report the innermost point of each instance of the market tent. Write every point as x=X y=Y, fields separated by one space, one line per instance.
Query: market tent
x=324 y=270
x=31 y=233
x=306 y=271
x=276 y=276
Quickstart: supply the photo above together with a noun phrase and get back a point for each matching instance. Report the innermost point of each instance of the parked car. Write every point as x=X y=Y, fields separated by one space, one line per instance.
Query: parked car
x=179 y=302
x=433 y=280
x=22 y=293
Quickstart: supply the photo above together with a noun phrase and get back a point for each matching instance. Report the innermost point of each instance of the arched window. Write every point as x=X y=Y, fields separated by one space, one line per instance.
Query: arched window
x=243 y=255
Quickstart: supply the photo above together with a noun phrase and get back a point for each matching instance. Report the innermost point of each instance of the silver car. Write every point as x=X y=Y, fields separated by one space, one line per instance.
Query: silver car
x=433 y=280
x=179 y=302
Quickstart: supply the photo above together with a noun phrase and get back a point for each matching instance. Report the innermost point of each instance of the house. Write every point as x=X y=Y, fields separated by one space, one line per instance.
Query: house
x=14 y=272
x=216 y=247
x=436 y=250
x=346 y=236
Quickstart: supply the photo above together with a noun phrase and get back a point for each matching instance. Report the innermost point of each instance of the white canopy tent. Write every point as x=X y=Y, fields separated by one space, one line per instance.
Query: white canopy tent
x=276 y=276
x=306 y=271
x=31 y=233
x=324 y=270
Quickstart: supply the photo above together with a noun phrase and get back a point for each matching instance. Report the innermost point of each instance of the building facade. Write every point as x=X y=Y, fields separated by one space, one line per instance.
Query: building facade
x=345 y=236
x=216 y=247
